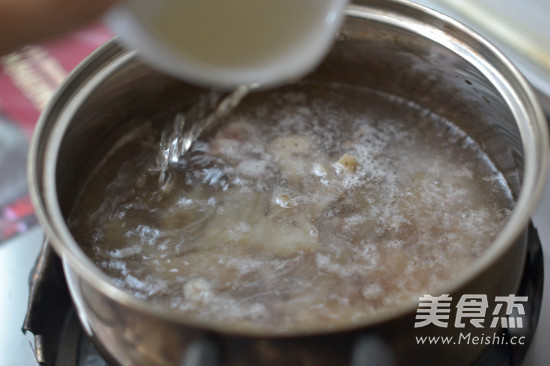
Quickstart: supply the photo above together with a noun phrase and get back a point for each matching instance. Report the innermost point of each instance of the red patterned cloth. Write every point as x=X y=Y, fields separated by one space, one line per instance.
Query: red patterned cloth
x=28 y=79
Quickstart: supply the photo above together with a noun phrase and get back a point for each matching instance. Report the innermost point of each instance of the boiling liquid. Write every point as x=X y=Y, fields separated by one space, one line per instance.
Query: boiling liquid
x=312 y=207
x=237 y=33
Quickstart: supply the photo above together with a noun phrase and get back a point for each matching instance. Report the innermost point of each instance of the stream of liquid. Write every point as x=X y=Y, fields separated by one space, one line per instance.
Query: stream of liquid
x=209 y=111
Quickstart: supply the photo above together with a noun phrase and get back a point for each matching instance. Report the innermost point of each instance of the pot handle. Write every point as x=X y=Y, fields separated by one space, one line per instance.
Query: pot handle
x=371 y=350
x=202 y=352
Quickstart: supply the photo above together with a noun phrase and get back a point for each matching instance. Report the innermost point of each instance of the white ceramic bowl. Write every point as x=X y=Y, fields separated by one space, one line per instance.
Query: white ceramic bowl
x=132 y=21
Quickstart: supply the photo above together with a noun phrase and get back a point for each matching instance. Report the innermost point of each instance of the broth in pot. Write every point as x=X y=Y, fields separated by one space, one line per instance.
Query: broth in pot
x=310 y=207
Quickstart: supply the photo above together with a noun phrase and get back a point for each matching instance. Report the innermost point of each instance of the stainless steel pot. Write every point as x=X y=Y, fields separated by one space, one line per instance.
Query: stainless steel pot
x=393 y=46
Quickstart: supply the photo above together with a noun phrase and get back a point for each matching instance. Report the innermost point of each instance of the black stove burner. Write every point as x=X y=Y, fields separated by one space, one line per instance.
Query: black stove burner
x=60 y=340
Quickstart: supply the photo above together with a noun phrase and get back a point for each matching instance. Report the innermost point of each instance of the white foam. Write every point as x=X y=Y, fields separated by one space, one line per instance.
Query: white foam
x=342 y=243
x=125 y=252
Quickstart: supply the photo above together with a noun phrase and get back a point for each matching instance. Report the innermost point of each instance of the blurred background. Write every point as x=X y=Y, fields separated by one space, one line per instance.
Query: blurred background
x=30 y=76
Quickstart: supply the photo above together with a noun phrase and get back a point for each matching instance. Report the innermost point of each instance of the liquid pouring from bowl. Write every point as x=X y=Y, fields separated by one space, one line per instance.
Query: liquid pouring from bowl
x=242 y=44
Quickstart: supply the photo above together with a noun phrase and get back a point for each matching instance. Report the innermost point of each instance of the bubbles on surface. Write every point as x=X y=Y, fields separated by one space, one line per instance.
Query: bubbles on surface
x=311 y=206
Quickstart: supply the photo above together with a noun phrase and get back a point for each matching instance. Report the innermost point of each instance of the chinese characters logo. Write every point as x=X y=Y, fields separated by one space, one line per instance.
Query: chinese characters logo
x=471 y=308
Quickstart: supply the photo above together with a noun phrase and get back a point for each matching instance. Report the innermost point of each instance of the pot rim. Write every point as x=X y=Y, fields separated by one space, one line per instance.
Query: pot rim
x=506 y=78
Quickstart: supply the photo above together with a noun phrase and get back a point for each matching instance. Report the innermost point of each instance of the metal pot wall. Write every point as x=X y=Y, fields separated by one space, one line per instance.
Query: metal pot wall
x=393 y=46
